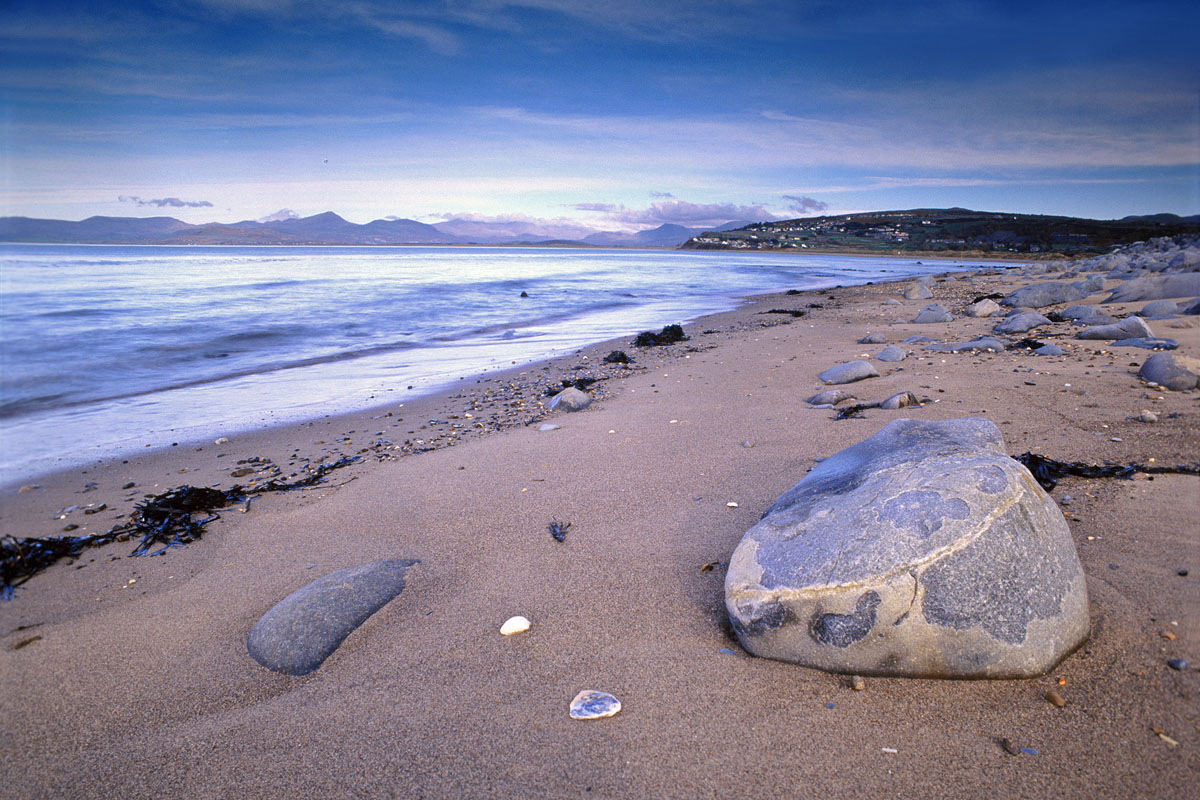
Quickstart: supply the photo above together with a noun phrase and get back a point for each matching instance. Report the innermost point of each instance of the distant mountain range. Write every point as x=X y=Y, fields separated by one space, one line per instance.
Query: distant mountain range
x=330 y=229
x=946 y=230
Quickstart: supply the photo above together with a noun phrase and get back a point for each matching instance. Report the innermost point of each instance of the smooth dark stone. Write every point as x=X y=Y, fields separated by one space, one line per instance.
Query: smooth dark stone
x=302 y=630
x=849 y=372
x=1148 y=343
x=1177 y=663
x=1171 y=371
x=1039 y=295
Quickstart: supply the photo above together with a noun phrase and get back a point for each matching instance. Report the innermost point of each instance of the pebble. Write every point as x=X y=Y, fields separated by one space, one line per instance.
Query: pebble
x=128 y=485
x=731 y=504
x=1148 y=416
x=514 y=625
x=1177 y=663
x=591 y=704
x=221 y=440
x=1054 y=698
x=28 y=488
x=857 y=683
x=548 y=426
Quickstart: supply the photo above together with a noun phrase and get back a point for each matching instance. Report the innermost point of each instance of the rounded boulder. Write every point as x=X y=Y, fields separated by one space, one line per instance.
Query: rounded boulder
x=922 y=551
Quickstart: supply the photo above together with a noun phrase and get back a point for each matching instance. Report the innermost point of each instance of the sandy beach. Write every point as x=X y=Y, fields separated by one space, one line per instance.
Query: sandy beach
x=129 y=677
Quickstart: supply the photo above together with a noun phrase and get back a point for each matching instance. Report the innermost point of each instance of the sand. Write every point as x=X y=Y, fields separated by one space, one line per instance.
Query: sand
x=139 y=684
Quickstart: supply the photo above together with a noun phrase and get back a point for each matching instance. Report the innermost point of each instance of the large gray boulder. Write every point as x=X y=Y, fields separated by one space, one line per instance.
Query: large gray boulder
x=303 y=629
x=1157 y=287
x=1039 y=295
x=1159 y=308
x=1020 y=323
x=1129 y=328
x=923 y=551
x=849 y=372
x=1172 y=371
x=917 y=291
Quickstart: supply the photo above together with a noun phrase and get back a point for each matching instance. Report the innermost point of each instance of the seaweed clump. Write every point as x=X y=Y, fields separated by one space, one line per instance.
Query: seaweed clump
x=163 y=521
x=1047 y=471
x=670 y=334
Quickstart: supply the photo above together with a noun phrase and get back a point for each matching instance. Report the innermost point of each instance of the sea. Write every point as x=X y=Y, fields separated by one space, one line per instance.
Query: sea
x=106 y=350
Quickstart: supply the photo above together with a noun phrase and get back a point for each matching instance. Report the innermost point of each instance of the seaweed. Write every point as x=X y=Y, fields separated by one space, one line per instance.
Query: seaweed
x=558 y=530
x=853 y=411
x=795 y=312
x=617 y=357
x=171 y=519
x=992 y=296
x=1047 y=471
x=1028 y=343
x=670 y=334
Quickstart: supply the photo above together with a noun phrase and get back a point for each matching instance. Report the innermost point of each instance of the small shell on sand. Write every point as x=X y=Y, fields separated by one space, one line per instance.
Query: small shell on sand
x=514 y=625
x=590 y=704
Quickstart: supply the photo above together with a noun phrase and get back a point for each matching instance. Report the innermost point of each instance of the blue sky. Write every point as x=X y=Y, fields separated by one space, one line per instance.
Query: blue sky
x=612 y=114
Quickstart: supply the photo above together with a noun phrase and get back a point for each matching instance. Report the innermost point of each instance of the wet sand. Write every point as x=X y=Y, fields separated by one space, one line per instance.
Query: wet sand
x=129 y=677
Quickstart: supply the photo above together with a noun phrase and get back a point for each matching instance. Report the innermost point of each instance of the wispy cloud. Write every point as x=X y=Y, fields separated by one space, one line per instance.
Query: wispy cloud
x=165 y=202
x=805 y=205
x=679 y=212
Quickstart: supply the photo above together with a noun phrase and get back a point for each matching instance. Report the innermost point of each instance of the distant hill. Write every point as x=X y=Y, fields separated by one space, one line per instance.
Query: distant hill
x=327 y=229
x=945 y=230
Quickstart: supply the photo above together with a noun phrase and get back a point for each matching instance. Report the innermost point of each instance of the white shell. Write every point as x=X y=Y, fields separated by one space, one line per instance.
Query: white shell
x=514 y=625
x=590 y=704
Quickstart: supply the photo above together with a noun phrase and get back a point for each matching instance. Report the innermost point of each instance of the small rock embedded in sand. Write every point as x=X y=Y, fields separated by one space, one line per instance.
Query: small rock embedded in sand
x=1132 y=327
x=890 y=354
x=934 y=312
x=514 y=625
x=917 y=292
x=1055 y=699
x=302 y=630
x=569 y=400
x=848 y=372
x=873 y=338
x=1148 y=416
x=29 y=488
x=221 y=440
x=548 y=426
x=1020 y=323
x=857 y=683
x=1177 y=664
x=900 y=400
x=1039 y=295
x=591 y=704
x=1172 y=371
x=831 y=397
x=984 y=308
x=1048 y=350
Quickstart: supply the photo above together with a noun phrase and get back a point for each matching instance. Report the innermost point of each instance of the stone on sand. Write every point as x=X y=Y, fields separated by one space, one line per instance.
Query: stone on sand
x=923 y=551
x=1159 y=308
x=917 y=291
x=984 y=308
x=900 y=400
x=591 y=704
x=1048 y=350
x=831 y=397
x=1039 y=295
x=302 y=630
x=848 y=372
x=1157 y=287
x=1148 y=343
x=934 y=312
x=891 y=353
x=873 y=338
x=1131 y=327
x=982 y=343
x=570 y=399
x=1020 y=323
x=1170 y=370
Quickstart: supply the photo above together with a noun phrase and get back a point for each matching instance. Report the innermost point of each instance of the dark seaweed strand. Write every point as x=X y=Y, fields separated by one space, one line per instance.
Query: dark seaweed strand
x=1047 y=471
x=169 y=519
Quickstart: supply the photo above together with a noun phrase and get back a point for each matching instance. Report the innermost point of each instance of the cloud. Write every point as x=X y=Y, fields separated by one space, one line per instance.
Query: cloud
x=678 y=212
x=279 y=216
x=804 y=204
x=165 y=202
x=662 y=194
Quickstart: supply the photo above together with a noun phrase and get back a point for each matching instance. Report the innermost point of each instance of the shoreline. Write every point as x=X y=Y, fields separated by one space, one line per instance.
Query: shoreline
x=138 y=666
